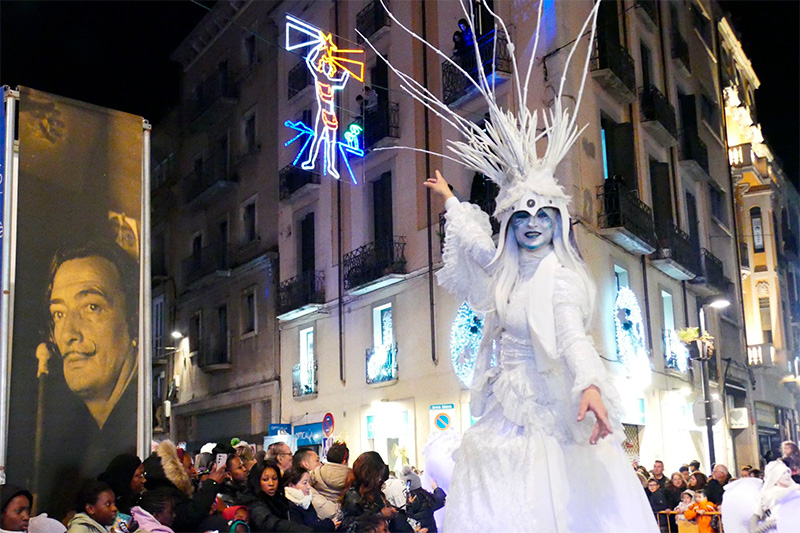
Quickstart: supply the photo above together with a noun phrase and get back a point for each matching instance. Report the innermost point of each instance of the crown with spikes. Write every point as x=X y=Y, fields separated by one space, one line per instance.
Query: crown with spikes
x=505 y=151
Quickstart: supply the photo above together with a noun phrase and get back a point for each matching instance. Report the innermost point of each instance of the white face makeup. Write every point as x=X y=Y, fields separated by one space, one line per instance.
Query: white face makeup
x=533 y=232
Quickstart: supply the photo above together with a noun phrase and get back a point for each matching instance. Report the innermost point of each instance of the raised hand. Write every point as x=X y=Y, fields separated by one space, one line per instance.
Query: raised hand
x=439 y=186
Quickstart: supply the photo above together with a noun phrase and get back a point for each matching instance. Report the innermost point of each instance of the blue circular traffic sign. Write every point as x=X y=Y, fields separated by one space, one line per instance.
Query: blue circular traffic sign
x=327 y=424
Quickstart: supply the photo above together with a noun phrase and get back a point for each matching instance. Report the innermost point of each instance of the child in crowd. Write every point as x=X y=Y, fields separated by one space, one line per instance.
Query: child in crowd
x=237 y=517
x=700 y=510
x=95 y=508
x=687 y=498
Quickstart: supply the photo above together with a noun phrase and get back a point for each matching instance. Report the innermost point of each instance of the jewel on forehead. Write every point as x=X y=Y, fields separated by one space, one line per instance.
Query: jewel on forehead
x=531 y=203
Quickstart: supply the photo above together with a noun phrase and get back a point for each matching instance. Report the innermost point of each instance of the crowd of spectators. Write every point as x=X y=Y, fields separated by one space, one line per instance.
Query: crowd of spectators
x=690 y=495
x=233 y=489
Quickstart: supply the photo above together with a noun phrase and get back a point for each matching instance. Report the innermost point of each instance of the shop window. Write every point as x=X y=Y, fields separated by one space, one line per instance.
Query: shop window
x=304 y=373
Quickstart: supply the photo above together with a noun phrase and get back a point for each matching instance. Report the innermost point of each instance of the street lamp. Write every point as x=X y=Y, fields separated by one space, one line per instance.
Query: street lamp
x=719 y=303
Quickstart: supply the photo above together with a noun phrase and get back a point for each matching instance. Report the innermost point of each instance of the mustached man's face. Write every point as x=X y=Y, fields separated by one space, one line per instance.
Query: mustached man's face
x=87 y=307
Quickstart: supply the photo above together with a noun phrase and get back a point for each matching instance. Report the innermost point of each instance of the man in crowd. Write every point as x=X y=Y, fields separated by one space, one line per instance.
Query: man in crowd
x=694 y=466
x=307 y=458
x=233 y=488
x=329 y=479
x=658 y=474
x=714 y=489
x=280 y=452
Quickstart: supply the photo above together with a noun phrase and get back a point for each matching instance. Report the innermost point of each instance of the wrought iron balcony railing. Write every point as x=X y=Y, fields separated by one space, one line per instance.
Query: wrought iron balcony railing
x=711 y=273
x=307 y=288
x=209 y=260
x=214 y=175
x=304 y=380
x=299 y=79
x=614 y=69
x=293 y=178
x=680 y=51
x=675 y=245
x=656 y=108
x=374 y=261
x=217 y=90
x=494 y=57
x=380 y=123
x=370 y=19
x=381 y=364
x=625 y=210
x=693 y=149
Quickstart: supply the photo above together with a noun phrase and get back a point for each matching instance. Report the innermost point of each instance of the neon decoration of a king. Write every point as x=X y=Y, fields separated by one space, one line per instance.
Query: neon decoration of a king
x=331 y=68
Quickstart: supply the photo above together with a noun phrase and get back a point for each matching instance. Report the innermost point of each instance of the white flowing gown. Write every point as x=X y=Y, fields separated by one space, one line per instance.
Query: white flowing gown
x=526 y=464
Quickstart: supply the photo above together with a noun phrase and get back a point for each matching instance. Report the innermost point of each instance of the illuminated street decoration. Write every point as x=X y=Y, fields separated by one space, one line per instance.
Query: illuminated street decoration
x=331 y=68
x=675 y=351
x=629 y=330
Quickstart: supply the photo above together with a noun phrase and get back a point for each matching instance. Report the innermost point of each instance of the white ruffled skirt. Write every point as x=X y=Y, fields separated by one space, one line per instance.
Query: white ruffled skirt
x=526 y=465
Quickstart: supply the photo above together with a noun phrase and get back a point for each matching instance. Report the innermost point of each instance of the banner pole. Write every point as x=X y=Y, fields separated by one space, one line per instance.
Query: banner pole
x=8 y=229
x=145 y=424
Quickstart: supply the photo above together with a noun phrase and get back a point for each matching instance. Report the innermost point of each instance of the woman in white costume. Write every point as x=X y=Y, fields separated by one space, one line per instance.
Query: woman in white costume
x=535 y=460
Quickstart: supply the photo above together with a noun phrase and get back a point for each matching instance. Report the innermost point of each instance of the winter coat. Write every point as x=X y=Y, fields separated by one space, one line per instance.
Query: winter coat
x=270 y=514
x=703 y=521
x=424 y=505
x=231 y=493
x=118 y=475
x=308 y=517
x=83 y=523
x=354 y=506
x=148 y=523
x=327 y=483
x=714 y=491
x=164 y=469
x=658 y=502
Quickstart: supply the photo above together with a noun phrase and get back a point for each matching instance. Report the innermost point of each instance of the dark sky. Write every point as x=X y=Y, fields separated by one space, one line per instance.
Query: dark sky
x=116 y=54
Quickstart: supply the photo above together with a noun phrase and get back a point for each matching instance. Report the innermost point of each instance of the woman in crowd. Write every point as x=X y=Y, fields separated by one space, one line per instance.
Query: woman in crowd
x=155 y=512
x=125 y=476
x=95 y=508
x=421 y=504
x=673 y=490
x=269 y=508
x=791 y=456
x=363 y=495
x=697 y=481
x=297 y=488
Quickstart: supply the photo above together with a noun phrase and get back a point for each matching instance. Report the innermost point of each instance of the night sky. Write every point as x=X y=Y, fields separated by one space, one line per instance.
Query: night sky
x=116 y=54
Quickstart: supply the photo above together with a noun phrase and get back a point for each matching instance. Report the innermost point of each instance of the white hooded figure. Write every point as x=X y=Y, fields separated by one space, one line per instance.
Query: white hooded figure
x=778 y=485
x=534 y=461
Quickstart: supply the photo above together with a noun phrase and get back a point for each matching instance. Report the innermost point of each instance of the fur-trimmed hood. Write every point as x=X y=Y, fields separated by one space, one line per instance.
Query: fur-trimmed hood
x=163 y=467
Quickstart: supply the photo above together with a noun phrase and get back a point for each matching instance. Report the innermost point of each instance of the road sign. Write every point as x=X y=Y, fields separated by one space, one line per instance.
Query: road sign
x=327 y=424
x=699 y=412
x=442 y=416
x=442 y=421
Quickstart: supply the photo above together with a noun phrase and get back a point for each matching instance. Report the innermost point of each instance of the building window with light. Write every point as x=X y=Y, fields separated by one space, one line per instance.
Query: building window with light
x=758 y=229
x=382 y=356
x=676 y=356
x=304 y=373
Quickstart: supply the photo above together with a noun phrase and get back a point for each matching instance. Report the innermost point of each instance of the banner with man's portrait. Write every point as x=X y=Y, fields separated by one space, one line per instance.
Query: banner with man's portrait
x=75 y=353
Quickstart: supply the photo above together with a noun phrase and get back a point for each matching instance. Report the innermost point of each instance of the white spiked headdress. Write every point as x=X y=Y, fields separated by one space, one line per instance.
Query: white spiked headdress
x=505 y=149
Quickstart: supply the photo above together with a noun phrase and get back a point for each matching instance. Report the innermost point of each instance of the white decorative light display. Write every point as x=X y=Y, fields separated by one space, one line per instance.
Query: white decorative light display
x=675 y=351
x=465 y=339
x=629 y=329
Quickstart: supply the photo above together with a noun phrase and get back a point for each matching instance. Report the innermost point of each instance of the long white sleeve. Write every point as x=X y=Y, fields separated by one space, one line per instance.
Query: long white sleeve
x=468 y=250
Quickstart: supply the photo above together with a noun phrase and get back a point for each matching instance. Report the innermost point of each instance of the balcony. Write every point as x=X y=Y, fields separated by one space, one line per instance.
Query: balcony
x=675 y=256
x=658 y=116
x=299 y=79
x=208 y=181
x=626 y=220
x=215 y=259
x=381 y=363
x=612 y=67
x=761 y=355
x=301 y=295
x=372 y=19
x=648 y=13
x=296 y=182
x=304 y=381
x=743 y=159
x=680 y=54
x=213 y=99
x=381 y=123
x=694 y=156
x=374 y=265
x=711 y=280
x=213 y=355
x=495 y=61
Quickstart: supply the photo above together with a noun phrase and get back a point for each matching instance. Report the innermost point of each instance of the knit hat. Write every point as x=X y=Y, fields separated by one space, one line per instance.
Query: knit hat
x=9 y=492
x=411 y=478
x=689 y=492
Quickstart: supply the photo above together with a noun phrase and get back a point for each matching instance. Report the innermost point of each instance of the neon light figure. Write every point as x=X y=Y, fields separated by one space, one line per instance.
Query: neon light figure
x=331 y=71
